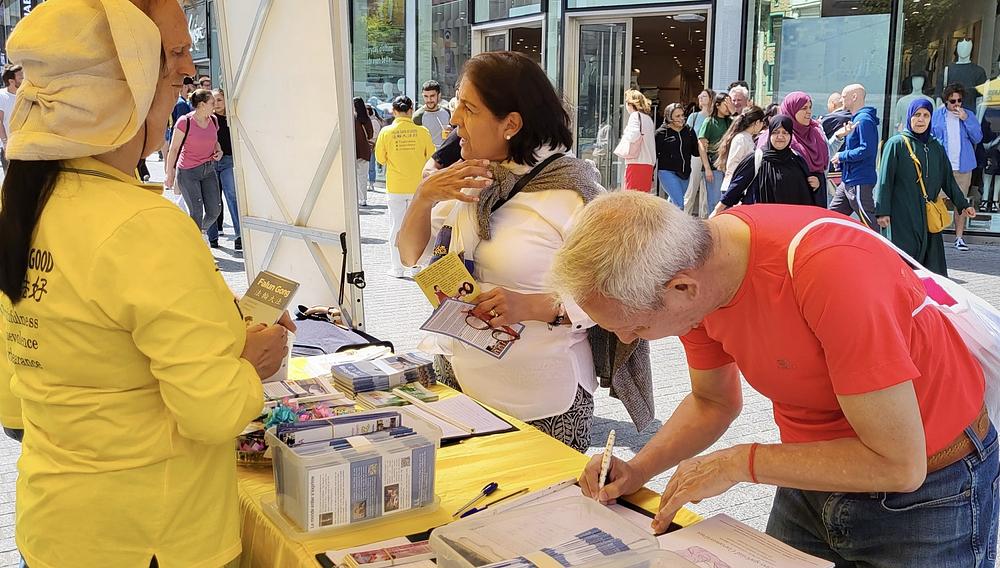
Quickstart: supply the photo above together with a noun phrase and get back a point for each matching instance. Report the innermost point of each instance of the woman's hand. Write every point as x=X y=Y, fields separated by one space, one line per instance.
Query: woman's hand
x=883 y=221
x=449 y=182
x=813 y=182
x=504 y=307
x=845 y=130
x=969 y=212
x=217 y=155
x=699 y=478
x=709 y=176
x=266 y=348
x=170 y=179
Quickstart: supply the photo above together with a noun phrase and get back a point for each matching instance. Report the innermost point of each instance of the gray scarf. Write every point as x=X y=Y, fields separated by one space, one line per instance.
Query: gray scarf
x=624 y=368
x=566 y=172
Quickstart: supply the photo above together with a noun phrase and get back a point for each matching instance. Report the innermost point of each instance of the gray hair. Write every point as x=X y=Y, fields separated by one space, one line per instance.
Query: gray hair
x=626 y=246
x=740 y=89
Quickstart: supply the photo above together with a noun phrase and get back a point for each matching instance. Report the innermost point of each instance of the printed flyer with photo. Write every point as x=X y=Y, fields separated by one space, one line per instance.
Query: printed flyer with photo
x=446 y=278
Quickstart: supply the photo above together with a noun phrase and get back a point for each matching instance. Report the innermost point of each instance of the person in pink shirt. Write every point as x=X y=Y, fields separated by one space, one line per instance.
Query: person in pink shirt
x=194 y=149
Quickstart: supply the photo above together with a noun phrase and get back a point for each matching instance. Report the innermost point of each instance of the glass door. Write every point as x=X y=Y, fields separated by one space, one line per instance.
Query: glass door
x=603 y=65
x=495 y=42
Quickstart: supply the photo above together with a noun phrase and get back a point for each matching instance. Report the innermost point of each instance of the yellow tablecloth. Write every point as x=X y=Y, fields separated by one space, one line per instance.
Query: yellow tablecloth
x=525 y=458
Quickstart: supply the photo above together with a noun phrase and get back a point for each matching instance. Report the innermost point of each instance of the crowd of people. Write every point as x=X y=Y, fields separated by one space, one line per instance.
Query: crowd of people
x=728 y=151
x=133 y=371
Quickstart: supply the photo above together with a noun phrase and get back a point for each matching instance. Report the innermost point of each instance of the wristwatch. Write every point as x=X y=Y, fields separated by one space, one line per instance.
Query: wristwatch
x=560 y=316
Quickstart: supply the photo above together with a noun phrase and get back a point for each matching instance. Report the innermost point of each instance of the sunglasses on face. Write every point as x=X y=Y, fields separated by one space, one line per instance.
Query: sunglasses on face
x=954 y=101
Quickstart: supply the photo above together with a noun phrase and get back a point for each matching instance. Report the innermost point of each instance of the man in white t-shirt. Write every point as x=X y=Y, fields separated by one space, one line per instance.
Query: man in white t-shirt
x=12 y=77
x=432 y=115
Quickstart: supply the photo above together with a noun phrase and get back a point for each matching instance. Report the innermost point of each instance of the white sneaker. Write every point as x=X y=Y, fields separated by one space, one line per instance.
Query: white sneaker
x=960 y=245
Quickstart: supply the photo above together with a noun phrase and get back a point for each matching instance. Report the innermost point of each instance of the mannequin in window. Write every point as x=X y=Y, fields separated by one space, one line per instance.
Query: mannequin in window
x=965 y=72
x=916 y=92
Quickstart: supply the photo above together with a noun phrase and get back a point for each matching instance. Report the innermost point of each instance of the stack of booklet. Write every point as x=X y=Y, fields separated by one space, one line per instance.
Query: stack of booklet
x=381 y=399
x=384 y=374
x=318 y=389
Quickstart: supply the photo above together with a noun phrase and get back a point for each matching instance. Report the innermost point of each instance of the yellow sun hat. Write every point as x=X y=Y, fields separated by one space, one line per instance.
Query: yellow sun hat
x=90 y=72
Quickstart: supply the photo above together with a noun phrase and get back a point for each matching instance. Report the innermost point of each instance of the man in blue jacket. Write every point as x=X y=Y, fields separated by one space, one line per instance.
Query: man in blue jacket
x=857 y=160
x=958 y=131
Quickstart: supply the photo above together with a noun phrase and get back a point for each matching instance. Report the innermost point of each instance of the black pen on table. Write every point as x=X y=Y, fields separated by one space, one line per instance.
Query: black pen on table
x=494 y=502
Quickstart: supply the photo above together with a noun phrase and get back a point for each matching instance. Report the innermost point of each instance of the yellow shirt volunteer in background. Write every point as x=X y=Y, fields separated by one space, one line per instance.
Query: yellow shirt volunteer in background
x=125 y=352
x=403 y=148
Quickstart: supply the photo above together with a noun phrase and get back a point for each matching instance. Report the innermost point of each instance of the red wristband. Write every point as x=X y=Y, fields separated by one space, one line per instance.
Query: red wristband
x=753 y=453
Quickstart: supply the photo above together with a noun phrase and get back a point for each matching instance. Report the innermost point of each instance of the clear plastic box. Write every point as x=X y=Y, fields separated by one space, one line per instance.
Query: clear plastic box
x=335 y=489
x=479 y=540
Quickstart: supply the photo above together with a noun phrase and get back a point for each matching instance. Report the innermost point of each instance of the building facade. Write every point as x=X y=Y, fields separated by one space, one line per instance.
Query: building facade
x=593 y=50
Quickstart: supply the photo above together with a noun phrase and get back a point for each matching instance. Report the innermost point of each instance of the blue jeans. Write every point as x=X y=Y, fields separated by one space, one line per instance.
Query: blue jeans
x=949 y=522
x=675 y=186
x=227 y=183
x=371 y=171
x=714 y=189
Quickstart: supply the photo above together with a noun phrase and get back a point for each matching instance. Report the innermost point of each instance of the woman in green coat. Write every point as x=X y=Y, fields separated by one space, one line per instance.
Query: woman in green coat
x=899 y=199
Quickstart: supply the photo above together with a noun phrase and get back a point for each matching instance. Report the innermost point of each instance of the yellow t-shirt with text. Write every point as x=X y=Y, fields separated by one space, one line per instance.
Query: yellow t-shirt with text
x=403 y=148
x=124 y=354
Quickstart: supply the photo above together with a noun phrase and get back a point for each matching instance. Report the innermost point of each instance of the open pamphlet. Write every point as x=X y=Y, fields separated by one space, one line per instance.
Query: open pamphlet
x=456 y=320
x=457 y=416
x=267 y=298
x=722 y=541
x=447 y=277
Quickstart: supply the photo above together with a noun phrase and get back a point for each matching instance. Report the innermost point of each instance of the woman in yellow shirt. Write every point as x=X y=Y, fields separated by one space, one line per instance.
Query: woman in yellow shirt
x=403 y=148
x=127 y=361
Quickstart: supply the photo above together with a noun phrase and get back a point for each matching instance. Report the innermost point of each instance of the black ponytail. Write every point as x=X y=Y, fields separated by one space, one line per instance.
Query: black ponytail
x=26 y=189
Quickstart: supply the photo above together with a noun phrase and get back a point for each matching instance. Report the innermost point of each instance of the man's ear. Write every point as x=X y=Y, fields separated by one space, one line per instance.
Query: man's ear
x=682 y=283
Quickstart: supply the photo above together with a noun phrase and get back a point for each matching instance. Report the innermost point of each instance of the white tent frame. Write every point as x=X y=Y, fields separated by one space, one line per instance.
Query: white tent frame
x=281 y=221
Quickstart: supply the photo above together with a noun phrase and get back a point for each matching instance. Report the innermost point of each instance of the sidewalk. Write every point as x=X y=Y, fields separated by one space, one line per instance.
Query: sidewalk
x=395 y=308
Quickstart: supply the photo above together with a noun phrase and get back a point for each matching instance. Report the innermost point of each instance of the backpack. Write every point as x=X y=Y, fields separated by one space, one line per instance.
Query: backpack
x=977 y=322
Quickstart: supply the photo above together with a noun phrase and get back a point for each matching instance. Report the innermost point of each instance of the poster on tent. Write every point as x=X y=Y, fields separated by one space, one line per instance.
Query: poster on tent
x=823 y=55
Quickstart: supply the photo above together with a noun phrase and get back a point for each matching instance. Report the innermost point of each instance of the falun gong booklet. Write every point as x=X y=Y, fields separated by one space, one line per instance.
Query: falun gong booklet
x=267 y=298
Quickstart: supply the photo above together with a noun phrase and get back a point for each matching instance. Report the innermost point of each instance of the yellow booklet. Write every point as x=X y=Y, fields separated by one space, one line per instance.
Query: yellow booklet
x=446 y=278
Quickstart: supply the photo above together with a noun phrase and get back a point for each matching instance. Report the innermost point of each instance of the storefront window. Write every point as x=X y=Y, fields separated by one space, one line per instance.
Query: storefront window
x=488 y=10
x=379 y=51
x=444 y=42
x=197 y=17
x=955 y=41
x=820 y=47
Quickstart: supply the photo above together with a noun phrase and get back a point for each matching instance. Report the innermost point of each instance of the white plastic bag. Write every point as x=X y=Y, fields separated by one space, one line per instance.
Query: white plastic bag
x=975 y=319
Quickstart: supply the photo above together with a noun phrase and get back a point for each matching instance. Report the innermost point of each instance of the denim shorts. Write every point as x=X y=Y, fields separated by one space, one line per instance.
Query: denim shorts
x=949 y=522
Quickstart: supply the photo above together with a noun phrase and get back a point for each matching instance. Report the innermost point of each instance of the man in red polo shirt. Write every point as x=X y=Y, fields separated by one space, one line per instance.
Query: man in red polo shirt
x=887 y=457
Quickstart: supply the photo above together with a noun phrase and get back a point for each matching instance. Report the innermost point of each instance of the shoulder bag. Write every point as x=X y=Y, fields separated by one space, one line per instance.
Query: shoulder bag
x=937 y=214
x=630 y=150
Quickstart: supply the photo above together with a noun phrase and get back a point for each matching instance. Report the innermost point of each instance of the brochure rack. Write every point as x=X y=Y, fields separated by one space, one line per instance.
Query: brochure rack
x=370 y=480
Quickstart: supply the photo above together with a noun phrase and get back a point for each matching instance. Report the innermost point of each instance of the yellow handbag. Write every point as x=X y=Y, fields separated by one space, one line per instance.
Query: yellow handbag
x=937 y=214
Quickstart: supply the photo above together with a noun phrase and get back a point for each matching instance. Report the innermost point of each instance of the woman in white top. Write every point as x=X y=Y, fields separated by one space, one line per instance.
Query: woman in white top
x=739 y=142
x=512 y=123
x=695 y=202
x=638 y=132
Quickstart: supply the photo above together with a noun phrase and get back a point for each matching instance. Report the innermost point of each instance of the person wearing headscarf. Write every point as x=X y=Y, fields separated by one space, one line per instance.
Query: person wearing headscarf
x=128 y=364
x=775 y=174
x=907 y=158
x=809 y=139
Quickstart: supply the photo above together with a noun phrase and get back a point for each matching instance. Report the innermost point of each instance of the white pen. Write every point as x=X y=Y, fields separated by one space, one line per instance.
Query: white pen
x=535 y=495
x=606 y=462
